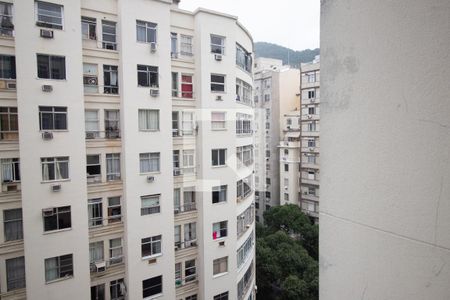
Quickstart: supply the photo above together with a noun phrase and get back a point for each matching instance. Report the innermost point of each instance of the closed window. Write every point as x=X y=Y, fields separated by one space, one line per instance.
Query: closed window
x=220 y=230
x=222 y=296
x=58 y=267
x=51 y=66
x=311 y=143
x=95 y=212
x=9 y=127
x=91 y=123
x=15 y=273
x=6 y=15
x=219 y=194
x=174 y=45
x=56 y=218
x=55 y=168
x=12 y=224
x=286 y=167
x=188 y=123
x=112 y=166
x=10 y=168
x=218 y=121
x=217 y=83
x=219 y=157
x=117 y=289
x=147 y=76
x=312 y=126
x=186 y=45
x=243 y=58
x=96 y=252
x=190 y=271
x=187 y=90
x=115 y=251
x=312 y=110
x=220 y=265
x=110 y=80
x=98 y=292
x=148 y=119
x=49 y=15
x=217 y=44
x=149 y=162
x=90 y=78
x=146 y=32
x=88 y=28
x=7 y=65
x=311 y=94
x=151 y=246
x=188 y=161
x=114 y=210
x=150 y=204
x=52 y=118
x=112 y=124
x=109 y=35
x=152 y=286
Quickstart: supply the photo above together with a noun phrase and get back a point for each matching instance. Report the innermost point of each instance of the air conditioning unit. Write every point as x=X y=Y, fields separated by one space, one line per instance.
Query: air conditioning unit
x=176 y=211
x=222 y=244
x=56 y=187
x=248 y=226
x=150 y=178
x=100 y=266
x=88 y=80
x=47 y=212
x=10 y=187
x=219 y=98
x=311 y=149
x=90 y=135
x=12 y=85
x=154 y=92
x=218 y=57
x=47 y=135
x=47 y=88
x=153 y=47
x=46 y=34
x=176 y=172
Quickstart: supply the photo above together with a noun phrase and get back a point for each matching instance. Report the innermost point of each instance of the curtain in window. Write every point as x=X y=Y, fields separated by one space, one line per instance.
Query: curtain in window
x=13 y=225
x=62 y=170
x=145 y=164
x=154 y=162
x=7 y=170
x=91 y=121
x=45 y=169
x=176 y=198
x=96 y=252
x=188 y=122
x=148 y=119
x=51 y=269
x=190 y=232
x=177 y=233
x=113 y=166
x=15 y=273
x=6 y=11
x=116 y=248
x=150 y=202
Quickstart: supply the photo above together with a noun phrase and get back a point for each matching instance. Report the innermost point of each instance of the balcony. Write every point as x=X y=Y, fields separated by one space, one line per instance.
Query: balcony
x=112 y=134
x=191 y=279
x=311 y=181
x=185 y=244
x=311 y=197
x=187 y=207
x=99 y=268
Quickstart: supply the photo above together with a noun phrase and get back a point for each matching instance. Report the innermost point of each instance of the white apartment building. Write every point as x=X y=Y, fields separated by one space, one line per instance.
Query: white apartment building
x=310 y=142
x=276 y=89
x=126 y=149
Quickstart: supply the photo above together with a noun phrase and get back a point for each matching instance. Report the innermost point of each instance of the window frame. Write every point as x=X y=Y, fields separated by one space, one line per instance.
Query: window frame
x=47 y=24
x=149 y=72
x=113 y=176
x=90 y=24
x=150 y=158
x=222 y=230
x=57 y=211
x=221 y=157
x=148 y=27
x=214 y=85
x=153 y=209
x=59 y=267
x=219 y=263
x=222 y=192
x=158 y=286
x=57 y=162
x=220 y=48
x=15 y=222
x=54 y=111
x=50 y=61
x=220 y=123
x=148 y=113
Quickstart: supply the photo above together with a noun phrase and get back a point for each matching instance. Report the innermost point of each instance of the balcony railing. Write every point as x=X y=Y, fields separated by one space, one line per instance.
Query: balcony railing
x=185 y=208
x=91 y=179
x=101 y=266
x=179 y=282
x=109 y=134
x=185 y=244
x=100 y=221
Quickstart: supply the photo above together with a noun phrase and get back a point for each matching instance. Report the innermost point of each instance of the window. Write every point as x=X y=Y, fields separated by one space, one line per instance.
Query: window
x=177 y=199
x=49 y=15
x=173 y=45
x=93 y=168
x=311 y=77
x=188 y=161
x=190 y=233
x=117 y=289
x=267 y=180
x=95 y=212
x=115 y=251
x=147 y=76
x=286 y=151
x=112 y=124
x=286 y=182
x=219 y=157
x=146 y=32
x=312 y=126
x=243 y=92
x=267 y=125
x=311 y=110
x=311 y=175
x=151 y=246
x=217 y=83
x=91 y=123
x=12 y=224
x=6 y=15
x=174 y=84
x=10 y=170
x=112 y=166
x=189 y=198
x=222 y=296
x=190 y=271
x=243 y=58
x=218 y=121
x=152 y=286
x=220 y=265
x=267 y=97
x=289 y=121
x=192 y=297
x=109 y=35
x=243 y=123
x=245 y=281
x=186 y=45
x=7 y=64
x=114 y=210
x=311 y=159
x=51 y=66
x=149 y=162
x=178 y=280
x=98 y=292
x=148 y=119
x=110 y=80
x=311 y=143
x=244 y=187
x=244 y=156
x=286 y=167
x=286 y=197
x=311 y=190
x=88 y=28
x=217 y=44
x=267 y=153
x=90 y=78
x=15 y=273
x=96 y=252
x=58 y=267
x=219 y=194
x=176 y=162
x=150 y=204
x=244 y=251
x=220 y=230
x=55 y=168
x=52 y=118
x=187 y=90
x=311 y=94
x=9 y=127
x=188 y=123
x=57 y=218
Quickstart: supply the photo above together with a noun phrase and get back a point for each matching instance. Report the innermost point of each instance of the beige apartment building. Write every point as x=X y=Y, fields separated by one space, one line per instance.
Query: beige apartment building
x=126 y=148
x=276 y=87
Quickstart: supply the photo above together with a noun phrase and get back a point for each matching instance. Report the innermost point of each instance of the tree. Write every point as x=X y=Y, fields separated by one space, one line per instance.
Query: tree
x=286 y=266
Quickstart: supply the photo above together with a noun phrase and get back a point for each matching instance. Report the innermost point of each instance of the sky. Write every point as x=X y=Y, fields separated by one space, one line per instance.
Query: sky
x=290 y=23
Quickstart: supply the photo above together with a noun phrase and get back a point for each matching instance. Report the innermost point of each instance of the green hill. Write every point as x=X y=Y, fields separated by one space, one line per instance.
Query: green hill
x=263 y=49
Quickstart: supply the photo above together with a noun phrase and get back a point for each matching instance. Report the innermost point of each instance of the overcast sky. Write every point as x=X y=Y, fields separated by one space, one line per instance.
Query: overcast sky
x=290 y=23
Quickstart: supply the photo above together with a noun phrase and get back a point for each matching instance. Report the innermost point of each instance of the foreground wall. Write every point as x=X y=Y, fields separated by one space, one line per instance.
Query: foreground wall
x=385 y=199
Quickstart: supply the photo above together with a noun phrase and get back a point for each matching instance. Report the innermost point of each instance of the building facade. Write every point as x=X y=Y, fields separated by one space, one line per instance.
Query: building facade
x=276 y=89
x=126 y=149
